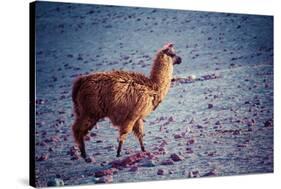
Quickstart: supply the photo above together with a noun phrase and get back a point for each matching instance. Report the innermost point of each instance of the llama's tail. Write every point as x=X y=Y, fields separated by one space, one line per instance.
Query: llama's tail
x=76 y=87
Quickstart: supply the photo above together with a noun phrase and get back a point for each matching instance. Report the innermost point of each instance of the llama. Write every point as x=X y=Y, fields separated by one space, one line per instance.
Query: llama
x=126 y=98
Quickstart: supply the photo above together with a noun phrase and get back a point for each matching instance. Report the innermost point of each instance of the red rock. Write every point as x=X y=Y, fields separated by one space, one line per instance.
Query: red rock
x=189 y=150
x=161 y=172
x=241 y=145
x=164 y=142
x=55 y=139
x=43 y=157
x=162 y=149
x=177 y=136
x=72 y=151
x=90 y=160
x=105 y=172
x=171 y=119
x=131 y=160
x=43 y=144
x=167 y=162
x=210 y=106
x=176 y=157
x=211 y=154
x=93 y=134
x=133 y=169
x=269 y=123
x=190 y=141
x=236 y=132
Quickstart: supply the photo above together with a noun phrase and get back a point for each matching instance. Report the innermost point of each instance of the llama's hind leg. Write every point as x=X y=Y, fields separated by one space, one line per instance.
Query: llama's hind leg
x=138 y=130
x=80 y=129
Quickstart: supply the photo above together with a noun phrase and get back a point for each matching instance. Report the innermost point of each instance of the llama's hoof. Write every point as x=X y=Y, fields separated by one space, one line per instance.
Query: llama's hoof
x=118 y=155
x=84 y=155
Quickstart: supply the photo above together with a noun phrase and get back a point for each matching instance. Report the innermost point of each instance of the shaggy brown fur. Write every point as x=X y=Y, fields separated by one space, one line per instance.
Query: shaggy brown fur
x=126 y=98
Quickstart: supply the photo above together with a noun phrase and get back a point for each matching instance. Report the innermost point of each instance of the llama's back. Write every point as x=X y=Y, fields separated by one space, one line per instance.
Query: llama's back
x=122 y=77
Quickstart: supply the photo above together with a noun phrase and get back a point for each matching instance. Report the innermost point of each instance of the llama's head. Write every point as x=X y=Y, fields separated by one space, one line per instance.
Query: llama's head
x=170 y=51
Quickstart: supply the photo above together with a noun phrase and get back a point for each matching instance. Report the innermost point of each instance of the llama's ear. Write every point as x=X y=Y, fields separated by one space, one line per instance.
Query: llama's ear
x=168 y=46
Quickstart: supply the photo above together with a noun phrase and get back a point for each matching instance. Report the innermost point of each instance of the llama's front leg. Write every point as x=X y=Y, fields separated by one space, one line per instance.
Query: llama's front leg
x=122 y=138
x=139 y=132
x=125 y=129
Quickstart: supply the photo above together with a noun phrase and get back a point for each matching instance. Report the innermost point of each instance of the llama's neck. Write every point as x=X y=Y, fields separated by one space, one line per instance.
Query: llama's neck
x=161 y=74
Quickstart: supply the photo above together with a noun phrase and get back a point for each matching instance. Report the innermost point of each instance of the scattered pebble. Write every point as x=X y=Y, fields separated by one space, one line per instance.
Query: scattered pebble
x=161 y=172
x=189 y=150
x=90 y=159
x=176 y=157
x=133 y=169
x=210 y=106
x=43 y=157
x=190 y=141
x=171 y=119
x=177 y=136
x=217 y=123
x=167 y=162
x=236 y=132
x=269 y=123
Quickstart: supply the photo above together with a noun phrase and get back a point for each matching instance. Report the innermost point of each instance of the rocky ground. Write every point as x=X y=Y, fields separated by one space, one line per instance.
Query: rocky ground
x=216 y=120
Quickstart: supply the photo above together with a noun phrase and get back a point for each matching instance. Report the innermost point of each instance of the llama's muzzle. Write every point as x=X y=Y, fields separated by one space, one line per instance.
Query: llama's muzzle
x=177 y=60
